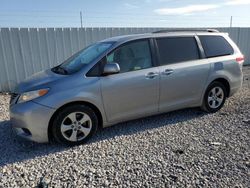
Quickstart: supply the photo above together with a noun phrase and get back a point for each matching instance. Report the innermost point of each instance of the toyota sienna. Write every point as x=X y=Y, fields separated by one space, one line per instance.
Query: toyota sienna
x=124 y=78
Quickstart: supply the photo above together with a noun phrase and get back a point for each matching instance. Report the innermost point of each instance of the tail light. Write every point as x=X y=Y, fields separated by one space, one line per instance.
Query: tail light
x=240 y=59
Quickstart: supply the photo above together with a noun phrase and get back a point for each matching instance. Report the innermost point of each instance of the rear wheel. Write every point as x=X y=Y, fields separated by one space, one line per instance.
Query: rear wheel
x=214 y=98
x=74 y=125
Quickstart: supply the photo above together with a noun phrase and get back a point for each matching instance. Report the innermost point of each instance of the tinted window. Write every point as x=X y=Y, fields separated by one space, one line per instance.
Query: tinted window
x=132 y=56
x=215 y=46
x=173 y=49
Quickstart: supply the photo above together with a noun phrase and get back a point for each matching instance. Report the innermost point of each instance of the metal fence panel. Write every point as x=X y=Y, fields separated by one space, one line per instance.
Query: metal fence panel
x=244 y=43
x=26 y=52
x=29 y=50
x=35 y=50
x=9 y=61
x=4 y=71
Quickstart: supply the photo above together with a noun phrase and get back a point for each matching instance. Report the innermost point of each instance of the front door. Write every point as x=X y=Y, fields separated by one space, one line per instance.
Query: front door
x=134 y=92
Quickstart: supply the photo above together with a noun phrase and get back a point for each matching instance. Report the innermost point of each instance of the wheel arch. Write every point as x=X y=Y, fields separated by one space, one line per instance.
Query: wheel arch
x=225 y=82
x=92 y=106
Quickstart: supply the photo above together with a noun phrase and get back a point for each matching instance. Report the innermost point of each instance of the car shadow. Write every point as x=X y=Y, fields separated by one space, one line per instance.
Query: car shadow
x=14 y=149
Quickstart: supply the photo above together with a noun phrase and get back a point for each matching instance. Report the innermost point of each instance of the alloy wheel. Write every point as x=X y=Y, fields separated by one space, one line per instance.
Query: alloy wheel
x=76 y=126
x=215 y=97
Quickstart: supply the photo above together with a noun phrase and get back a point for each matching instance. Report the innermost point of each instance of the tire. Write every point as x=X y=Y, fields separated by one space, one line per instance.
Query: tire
x=74 y=125
x=214 y=97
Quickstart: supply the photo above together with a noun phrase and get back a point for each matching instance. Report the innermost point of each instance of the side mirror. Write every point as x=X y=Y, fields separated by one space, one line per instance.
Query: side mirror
x=111 y=68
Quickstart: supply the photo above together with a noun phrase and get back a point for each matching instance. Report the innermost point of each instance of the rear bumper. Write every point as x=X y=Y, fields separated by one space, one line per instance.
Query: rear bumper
x=30 y=120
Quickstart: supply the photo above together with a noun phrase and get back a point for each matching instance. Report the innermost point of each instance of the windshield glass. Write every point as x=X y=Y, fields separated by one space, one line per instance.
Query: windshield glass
x=82 y=58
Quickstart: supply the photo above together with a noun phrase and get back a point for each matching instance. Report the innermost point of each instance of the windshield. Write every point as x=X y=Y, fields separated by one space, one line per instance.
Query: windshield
x=82 y=58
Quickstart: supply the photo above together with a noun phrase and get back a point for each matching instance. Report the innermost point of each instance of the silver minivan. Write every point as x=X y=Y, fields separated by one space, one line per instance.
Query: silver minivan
x=124 y=78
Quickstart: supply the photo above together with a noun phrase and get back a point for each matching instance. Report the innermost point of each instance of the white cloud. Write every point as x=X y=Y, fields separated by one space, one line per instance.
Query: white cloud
x=186 y=9
x=130 y=6
x=165 y=0
x=238 y=2
x=191 y=9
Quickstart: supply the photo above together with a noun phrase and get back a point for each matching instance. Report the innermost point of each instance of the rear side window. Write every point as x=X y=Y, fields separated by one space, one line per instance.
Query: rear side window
x=177 y=49
x=215 y=46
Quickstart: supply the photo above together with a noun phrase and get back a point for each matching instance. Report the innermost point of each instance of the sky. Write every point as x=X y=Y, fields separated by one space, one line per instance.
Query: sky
x=124 y=13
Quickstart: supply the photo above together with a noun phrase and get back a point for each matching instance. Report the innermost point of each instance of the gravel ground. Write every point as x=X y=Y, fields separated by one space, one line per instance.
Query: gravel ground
x=179 y=149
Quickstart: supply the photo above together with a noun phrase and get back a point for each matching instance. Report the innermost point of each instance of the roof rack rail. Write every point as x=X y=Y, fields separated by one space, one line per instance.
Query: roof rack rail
x=187 y=30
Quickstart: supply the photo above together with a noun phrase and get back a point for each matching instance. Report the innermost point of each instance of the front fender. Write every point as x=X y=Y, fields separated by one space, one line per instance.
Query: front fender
x=88 y=90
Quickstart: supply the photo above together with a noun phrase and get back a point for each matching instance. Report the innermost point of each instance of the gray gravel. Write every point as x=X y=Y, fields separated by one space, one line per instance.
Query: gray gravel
x=182 y=148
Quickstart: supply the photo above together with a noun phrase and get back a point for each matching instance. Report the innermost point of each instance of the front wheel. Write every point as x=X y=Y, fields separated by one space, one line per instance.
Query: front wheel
x=214 y=98
x=74 y=125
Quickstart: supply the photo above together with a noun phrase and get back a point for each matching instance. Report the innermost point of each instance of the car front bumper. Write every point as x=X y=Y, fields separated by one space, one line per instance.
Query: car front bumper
x=30 y=120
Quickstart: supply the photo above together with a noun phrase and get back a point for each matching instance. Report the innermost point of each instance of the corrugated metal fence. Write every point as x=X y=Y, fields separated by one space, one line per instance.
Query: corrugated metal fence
x=28 y=50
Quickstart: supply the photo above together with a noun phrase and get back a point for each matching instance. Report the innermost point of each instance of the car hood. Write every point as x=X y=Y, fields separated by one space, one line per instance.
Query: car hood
x=37 y=81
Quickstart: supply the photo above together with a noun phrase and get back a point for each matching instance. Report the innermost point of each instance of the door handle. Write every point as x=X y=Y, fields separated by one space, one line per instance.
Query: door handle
x=168 y=71
x=151 y=75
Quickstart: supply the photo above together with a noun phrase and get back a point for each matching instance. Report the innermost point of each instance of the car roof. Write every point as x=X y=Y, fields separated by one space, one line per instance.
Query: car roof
x=124 y=38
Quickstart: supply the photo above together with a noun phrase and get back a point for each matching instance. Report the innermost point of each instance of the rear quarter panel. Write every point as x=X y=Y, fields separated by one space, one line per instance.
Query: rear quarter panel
x=227 y=68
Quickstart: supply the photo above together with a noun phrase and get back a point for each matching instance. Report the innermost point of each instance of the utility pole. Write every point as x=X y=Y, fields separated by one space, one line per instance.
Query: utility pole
x=81 y=18
x=231 y=21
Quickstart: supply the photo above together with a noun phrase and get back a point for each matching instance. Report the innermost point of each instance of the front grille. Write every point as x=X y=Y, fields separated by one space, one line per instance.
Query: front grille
x=13 y=97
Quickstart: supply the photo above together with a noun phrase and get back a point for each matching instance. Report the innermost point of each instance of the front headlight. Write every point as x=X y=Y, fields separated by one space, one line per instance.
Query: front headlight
x=30 y=95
